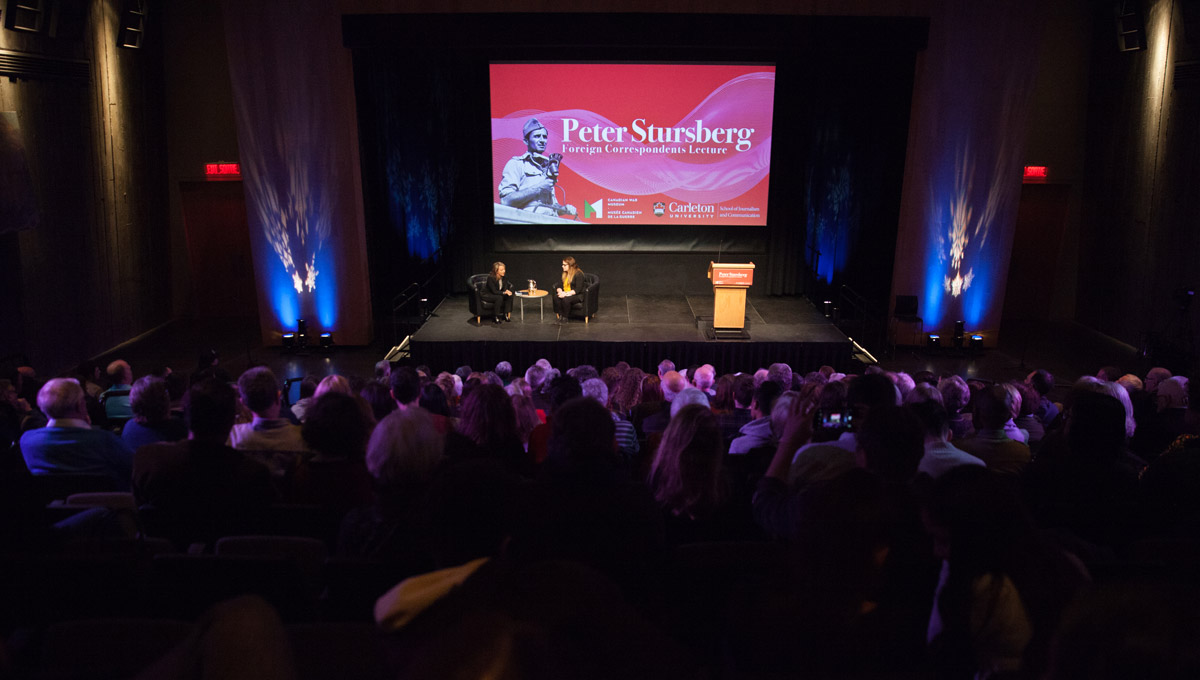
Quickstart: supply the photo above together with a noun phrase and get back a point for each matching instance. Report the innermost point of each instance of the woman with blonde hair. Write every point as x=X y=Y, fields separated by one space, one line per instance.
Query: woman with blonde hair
x=568 y=288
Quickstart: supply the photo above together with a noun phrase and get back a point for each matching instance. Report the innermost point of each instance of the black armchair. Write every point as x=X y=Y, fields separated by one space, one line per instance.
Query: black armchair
x=479 y=307
x=589 y=298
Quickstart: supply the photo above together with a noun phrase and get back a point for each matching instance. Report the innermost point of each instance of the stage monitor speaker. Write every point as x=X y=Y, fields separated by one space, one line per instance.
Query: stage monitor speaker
x=133 y=24
x=1131 y=29
x=26 y=15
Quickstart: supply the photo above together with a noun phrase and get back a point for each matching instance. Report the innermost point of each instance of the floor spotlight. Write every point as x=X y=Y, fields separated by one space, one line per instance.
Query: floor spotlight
x=933 y=340
x=976 y=341
x=289 y=341
x=326 y=341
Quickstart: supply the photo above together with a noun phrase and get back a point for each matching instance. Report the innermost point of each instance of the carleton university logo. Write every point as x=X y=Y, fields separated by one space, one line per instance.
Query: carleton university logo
x=659 y=208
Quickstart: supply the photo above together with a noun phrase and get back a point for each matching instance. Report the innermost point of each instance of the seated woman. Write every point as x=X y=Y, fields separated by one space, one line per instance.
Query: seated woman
x=567 y=290
x=499 y=292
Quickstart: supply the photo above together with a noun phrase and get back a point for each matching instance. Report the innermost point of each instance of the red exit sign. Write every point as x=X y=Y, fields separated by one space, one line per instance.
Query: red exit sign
x=222 y=169
x=1035 y=173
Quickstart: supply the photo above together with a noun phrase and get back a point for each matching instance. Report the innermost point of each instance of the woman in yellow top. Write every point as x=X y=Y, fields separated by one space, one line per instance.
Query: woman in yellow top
x=568 y=289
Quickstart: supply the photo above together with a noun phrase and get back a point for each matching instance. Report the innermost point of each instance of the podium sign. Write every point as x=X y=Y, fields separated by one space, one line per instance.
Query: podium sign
x=730 y=281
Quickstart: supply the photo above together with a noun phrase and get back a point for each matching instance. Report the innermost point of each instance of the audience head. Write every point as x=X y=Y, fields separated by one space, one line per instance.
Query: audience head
x=781 y=411
x=782 y=374
x=759 y=376
x=308 y=386
x=563 y=389
x=463 y=372
x=518 y=386
x=955 y=394
x=891 y=443
x=652 y=391
x=535 y=375
x=689 y=396
x=685 y=476
x=527 y=417
x=149 y=400
x=62 y=398
x=1096 y=429
x=629 y=391
x=119 y=373
x=869 y=392
x=704 y=377
x=1130 y=382
x=933 y=417
x=487 y=416
x=1040 y=380
x=1115 y=391
x=1108 y=373
x=504 y=371
x=664 y=367
x=975 y=519
x=903 y=382
x=338 y=425
x=582 y=445
x=764 y=398
x=672 y=384
x=333 y=383
x=433 y=399
x=992 y=409
x=594 y=388
x=1154 y=377
x=405 y=386
x=259 y=390
x=383 y=369
x=923 y=392
x=379 y=398
x=210 y=408
x=583 y=373
x=1173 y=393
x=723 y=400
x=404 y=450
x=743 y=391
x=1012 y=397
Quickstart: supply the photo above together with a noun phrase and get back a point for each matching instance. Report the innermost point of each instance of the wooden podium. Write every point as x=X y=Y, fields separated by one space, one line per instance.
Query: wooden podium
x=730 y=282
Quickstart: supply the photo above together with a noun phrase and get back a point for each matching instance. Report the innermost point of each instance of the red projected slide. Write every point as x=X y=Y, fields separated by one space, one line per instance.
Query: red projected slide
x=631 y=143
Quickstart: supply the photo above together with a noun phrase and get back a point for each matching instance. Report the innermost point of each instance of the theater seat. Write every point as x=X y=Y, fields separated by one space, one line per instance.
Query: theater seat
x=589 y=298
x=479 y=307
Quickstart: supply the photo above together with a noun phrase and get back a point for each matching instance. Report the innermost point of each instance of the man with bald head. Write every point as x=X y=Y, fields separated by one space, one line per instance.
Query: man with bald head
x=68 y=443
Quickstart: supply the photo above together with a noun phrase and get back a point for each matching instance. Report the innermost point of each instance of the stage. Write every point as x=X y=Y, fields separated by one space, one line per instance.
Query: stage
x=639 y=329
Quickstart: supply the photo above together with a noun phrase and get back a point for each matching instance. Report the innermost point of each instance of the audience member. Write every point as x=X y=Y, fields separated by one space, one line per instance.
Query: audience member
x=955 y=397
x=1001 y=590
x=990 y=443
x=688 y=481
x=335 y=477
x=940 y=455
x=68 y=443
x=200 y=489
x=757 y=432
x=267 y=431
x=152 y=419
x=116 y=398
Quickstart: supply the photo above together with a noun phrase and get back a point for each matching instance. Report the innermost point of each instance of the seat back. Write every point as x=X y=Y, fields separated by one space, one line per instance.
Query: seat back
x=589 y=297
x=476 y=283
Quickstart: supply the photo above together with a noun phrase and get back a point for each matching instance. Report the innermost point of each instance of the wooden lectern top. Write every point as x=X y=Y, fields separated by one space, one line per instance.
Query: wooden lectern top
x=731 y=274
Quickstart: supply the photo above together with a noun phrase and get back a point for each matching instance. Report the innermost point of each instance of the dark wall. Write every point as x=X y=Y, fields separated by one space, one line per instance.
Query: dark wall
x=91 y=272
x=1140 y=234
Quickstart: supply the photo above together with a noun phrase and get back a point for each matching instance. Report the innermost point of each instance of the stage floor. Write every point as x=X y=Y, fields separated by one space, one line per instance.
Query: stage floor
x=639 y=328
